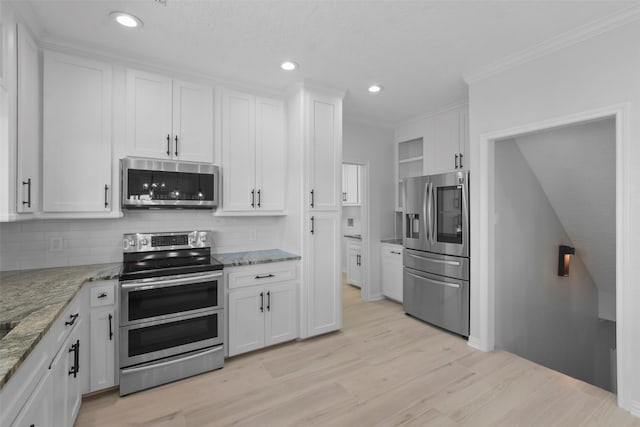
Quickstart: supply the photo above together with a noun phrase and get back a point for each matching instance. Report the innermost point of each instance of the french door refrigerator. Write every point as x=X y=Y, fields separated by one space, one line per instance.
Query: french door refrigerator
x=435 y=235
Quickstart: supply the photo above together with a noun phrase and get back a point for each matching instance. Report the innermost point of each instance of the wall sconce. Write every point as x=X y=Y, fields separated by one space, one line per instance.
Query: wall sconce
x=564 y=257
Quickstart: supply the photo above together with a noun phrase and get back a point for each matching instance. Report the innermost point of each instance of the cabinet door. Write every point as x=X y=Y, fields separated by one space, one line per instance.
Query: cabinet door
x=28 y=124
x=324 y=153
x=446 y=141
x=192 y=122
x=392 y=272
x=354 y=268
x=350 y=185
x=37 y=411
x=238 y=151
x=464 y=139
x=67 y=390
x=246 y=319
x=281 y=313
x=149 y=115
x=77 y=135
x=270 y=154
x=324 y=291
x=102 y=348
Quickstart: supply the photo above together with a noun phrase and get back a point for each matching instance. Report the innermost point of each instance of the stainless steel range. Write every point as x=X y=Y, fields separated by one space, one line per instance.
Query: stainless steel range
x=171 y=309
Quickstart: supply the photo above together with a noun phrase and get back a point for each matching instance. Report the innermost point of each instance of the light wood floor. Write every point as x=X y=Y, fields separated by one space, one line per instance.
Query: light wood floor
x=383 y=368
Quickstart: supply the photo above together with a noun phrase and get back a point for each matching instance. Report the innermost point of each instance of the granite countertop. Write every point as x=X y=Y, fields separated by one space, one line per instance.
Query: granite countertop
x=235 y=259
x=392 y=241
x=354 y=236
x=31 y=301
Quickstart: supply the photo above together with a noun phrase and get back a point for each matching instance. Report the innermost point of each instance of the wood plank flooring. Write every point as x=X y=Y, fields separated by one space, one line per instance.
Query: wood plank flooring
x=382 y=369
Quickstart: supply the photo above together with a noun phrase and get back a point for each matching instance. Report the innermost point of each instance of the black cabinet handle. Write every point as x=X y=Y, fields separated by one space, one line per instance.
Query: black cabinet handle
x=312 y=201
x=168 y=145
x=110 y=327
x=456 y=161
x=344 y=197
x=264 y=276
x=75 y=349
x=102 y=295
x=73 y=318
x=28 y=184
x=460 y=160
x=259 y=197
x=269 y=301
x=395 y=252
x=261 y=302
x=176 y=147
x=253 y=198
x=313 y=225
x=106 y=196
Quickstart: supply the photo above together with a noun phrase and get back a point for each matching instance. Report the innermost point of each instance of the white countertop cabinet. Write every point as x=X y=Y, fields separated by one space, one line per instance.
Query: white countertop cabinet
x=391 y=271
x=103 y=333
x=354 y=262
x=169 y=119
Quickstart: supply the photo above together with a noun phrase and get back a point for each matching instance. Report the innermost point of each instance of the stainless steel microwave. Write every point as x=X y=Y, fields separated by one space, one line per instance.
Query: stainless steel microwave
x=167 y=184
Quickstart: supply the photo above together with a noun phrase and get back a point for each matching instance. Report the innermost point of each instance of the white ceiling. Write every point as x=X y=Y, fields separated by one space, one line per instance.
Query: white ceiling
x=418 y=50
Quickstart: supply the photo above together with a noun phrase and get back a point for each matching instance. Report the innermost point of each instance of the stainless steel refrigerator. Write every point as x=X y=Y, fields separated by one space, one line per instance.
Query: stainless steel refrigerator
x=435 y=235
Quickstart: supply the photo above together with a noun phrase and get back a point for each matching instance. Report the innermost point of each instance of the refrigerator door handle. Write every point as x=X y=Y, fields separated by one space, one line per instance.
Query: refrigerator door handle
x=426 y=211
x=430 y=214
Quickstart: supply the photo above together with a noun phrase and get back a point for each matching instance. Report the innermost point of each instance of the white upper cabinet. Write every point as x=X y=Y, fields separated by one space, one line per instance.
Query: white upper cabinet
x=76 y=135
x=28 y=182
x=445 y=144
x=324 y=153
x=253 y=154
x=168 y=119
x=350 y=185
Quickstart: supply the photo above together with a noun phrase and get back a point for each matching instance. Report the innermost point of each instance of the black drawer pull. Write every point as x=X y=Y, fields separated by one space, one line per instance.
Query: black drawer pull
x=264 y=276
x=102 y=295
x=73 y=318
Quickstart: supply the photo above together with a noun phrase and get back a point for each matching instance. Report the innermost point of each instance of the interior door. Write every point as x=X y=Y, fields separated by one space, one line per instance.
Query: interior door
x=450 y=214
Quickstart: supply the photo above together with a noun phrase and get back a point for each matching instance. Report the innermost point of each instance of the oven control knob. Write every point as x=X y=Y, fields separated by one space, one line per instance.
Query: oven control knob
x=144 y=242
x=128 y=243
x=203 y=238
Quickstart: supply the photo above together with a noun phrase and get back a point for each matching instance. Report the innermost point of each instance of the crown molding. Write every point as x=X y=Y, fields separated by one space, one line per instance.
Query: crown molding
x=378 y=124
x=448 y=107
x=569 y=38
x=73 y=48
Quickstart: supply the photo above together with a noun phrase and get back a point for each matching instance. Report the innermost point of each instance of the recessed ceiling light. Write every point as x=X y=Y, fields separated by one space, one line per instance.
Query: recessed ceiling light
x=375 y=88
x=288 y=65
x=126 y=19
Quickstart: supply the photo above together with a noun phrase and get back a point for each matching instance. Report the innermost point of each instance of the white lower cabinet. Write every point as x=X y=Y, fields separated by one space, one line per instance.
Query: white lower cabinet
x=102 y=336
x=391 y=266
x=66 y=371
x=354 y=262
x=261 y=315
x=38 y=410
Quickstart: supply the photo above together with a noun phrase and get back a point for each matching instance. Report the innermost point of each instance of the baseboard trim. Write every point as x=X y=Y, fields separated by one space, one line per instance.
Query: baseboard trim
x=376 y=297
x=476 y=343
x=635 y=408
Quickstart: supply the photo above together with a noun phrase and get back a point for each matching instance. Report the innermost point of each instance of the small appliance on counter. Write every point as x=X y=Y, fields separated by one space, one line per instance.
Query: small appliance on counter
x=162 y=184
x=171 y=309
x=435 y=236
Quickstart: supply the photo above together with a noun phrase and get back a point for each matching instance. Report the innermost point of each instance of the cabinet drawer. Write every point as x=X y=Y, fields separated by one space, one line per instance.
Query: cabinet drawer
x=102 y=295
x=392 y=252
x=276 y=272
x=65 y=323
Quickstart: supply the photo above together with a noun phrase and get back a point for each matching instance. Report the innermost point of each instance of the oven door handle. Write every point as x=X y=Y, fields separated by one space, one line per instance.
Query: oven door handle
x=143 y=286
x=171 y=362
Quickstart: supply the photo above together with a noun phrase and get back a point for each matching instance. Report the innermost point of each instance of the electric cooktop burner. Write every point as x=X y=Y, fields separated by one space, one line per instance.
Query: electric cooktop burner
x=157 y=255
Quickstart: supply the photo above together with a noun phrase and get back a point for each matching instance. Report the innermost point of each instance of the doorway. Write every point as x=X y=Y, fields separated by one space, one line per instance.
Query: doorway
x=555 y=191
x=355 y=226
x=484 y=256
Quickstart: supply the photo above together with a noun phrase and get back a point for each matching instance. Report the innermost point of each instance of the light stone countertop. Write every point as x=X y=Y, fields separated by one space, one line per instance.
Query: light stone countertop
x=235 y=259
x=392 y=241
x=32 y=300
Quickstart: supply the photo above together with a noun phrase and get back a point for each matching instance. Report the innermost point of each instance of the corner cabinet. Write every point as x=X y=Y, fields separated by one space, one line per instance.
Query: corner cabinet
x=263 y=306
x=76 y=135
x=169 y=119
x=253 y=154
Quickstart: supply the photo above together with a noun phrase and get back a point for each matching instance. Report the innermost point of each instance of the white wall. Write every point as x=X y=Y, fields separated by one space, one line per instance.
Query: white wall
x=372 y=145
x=593 y=74
x=576 y=167
x=26 y=244
x=540 y=316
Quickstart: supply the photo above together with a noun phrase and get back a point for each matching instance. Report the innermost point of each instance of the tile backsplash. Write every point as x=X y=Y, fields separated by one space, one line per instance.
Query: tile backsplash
x=55 y=243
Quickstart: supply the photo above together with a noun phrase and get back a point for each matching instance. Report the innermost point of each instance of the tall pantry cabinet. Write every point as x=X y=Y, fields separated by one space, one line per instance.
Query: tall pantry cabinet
x=315 y=137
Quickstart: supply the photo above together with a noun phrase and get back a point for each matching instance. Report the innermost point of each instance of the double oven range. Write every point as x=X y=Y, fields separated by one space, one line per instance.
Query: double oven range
x=171 y=309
